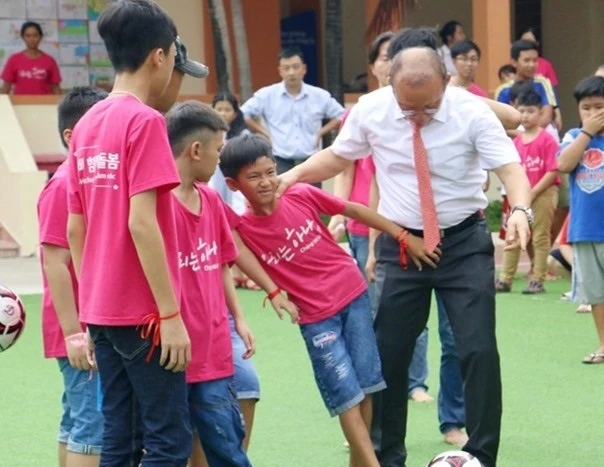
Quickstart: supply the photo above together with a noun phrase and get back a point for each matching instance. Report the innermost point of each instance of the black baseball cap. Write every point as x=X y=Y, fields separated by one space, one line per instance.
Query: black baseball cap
x=185 y=64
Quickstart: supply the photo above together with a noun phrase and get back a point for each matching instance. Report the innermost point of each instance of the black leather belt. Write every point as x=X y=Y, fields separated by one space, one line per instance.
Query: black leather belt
x=467 y=222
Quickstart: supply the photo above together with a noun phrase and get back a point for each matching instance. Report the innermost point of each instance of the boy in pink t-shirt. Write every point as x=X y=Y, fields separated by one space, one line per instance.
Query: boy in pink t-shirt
x=537 y=149
x=122 y=238
x=299 y=253
x=81 y=427
x=205 y=251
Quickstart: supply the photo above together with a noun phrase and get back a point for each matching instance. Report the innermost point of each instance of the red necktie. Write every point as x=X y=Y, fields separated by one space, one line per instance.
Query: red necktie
x=426 y=196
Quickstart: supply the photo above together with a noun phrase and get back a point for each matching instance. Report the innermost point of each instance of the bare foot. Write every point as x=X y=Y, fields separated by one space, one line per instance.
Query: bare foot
x=421 y=396
x=456 y=437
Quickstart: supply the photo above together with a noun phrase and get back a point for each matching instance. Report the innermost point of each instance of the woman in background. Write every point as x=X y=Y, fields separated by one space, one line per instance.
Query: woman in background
x=31 y=72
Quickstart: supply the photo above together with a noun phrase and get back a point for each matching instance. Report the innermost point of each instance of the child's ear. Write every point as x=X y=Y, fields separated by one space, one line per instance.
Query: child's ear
x=232 y=183
x=67 y=132
x=195 y=150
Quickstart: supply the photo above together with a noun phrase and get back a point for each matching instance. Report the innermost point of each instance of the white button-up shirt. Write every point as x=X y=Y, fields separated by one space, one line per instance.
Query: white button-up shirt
x=293 y=121
x=463 y=139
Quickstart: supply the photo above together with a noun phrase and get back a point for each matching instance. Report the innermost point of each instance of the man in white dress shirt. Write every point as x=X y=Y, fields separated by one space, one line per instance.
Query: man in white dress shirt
x=293 y=112
x=460 y=138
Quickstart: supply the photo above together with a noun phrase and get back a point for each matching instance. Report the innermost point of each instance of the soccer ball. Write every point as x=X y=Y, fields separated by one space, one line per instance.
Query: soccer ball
x=454 y=459
x=12 y=318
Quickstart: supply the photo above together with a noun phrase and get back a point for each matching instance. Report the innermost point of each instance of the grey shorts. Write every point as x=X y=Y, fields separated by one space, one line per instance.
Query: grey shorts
x=588 y=273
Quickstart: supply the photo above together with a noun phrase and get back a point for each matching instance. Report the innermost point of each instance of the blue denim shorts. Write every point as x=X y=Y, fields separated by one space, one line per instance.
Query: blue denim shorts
x=344 y=356
x=81 y=427
x=245 y=379
x=218 y=422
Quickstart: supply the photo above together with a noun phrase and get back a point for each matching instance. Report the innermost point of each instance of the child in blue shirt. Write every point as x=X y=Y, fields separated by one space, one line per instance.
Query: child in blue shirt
x=582 y=156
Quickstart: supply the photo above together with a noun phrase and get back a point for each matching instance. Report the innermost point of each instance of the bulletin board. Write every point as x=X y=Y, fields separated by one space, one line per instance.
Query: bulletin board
x=70 y=36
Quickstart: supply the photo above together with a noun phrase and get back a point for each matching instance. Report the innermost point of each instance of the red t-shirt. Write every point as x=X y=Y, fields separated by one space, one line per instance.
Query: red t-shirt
x=119 y=149
x=32 y=76
x=205 y=244
x=299 y=253
x=538 y=157
x=52 y=219
x=477 y=90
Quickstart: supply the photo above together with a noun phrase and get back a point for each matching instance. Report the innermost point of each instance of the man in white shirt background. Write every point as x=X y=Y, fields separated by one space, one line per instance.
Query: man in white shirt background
x=431 y=144
x=293 y=112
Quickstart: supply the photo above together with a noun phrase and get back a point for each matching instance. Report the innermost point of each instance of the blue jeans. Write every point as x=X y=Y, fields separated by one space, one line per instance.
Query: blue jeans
x=359 y=248
x=217 y=419
x=344 y=356
x=81 y=426
x=451 y=409
x=141 y=400
x=245 y=380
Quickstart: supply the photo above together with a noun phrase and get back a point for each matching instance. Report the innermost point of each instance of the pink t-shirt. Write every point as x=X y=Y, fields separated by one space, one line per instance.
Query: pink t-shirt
x=119 y=149
x=32 y=76
x=545 y=68
x=477 y=90
x=299 y=253
x=205 y=244
x=52 y=220
x=538 y=157
x=359 y=192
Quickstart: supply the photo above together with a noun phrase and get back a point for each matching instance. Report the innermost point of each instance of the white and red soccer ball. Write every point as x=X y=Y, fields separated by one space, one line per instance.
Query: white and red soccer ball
x=454 y=459
x=12 y=318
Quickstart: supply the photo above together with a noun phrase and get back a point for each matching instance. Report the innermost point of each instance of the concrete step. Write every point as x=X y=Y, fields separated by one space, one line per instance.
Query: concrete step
x=8 y=247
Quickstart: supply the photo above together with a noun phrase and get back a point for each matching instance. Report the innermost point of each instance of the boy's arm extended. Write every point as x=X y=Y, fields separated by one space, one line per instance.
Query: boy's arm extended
x=232 y=302
x=371 y=218
x=56 y=261
x=149 y=243
x=251 y=267
x=413 y=246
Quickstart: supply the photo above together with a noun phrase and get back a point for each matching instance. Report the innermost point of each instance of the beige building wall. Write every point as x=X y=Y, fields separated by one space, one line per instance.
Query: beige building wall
x=188 y=16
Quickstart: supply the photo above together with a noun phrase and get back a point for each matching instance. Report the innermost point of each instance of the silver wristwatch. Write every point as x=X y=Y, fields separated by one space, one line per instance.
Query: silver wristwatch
x=528 y=211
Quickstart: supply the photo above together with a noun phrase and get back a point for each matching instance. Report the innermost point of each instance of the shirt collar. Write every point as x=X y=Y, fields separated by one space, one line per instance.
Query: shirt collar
x=303 y=90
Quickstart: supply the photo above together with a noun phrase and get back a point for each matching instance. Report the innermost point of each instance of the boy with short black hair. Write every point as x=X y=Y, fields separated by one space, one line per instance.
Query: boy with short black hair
x=537 y=149
x=524 y=58
x=81 y=428
x=466 y=57
x=299 y=253
x=205 y=251
x=582 y=156
x=122 y=238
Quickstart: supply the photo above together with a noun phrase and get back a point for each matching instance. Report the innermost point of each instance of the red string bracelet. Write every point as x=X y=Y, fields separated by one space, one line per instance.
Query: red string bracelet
x=402 y=242
x=150 y=329
x=275 y=293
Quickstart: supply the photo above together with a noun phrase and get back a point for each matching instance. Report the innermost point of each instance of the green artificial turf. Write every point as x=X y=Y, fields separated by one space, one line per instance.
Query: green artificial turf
x=552 y=410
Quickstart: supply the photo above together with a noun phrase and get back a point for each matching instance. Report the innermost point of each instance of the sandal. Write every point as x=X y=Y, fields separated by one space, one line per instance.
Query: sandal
x=594 y=358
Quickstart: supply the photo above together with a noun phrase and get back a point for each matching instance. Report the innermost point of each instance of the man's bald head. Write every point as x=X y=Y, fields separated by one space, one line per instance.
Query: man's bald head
x=417 y=66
